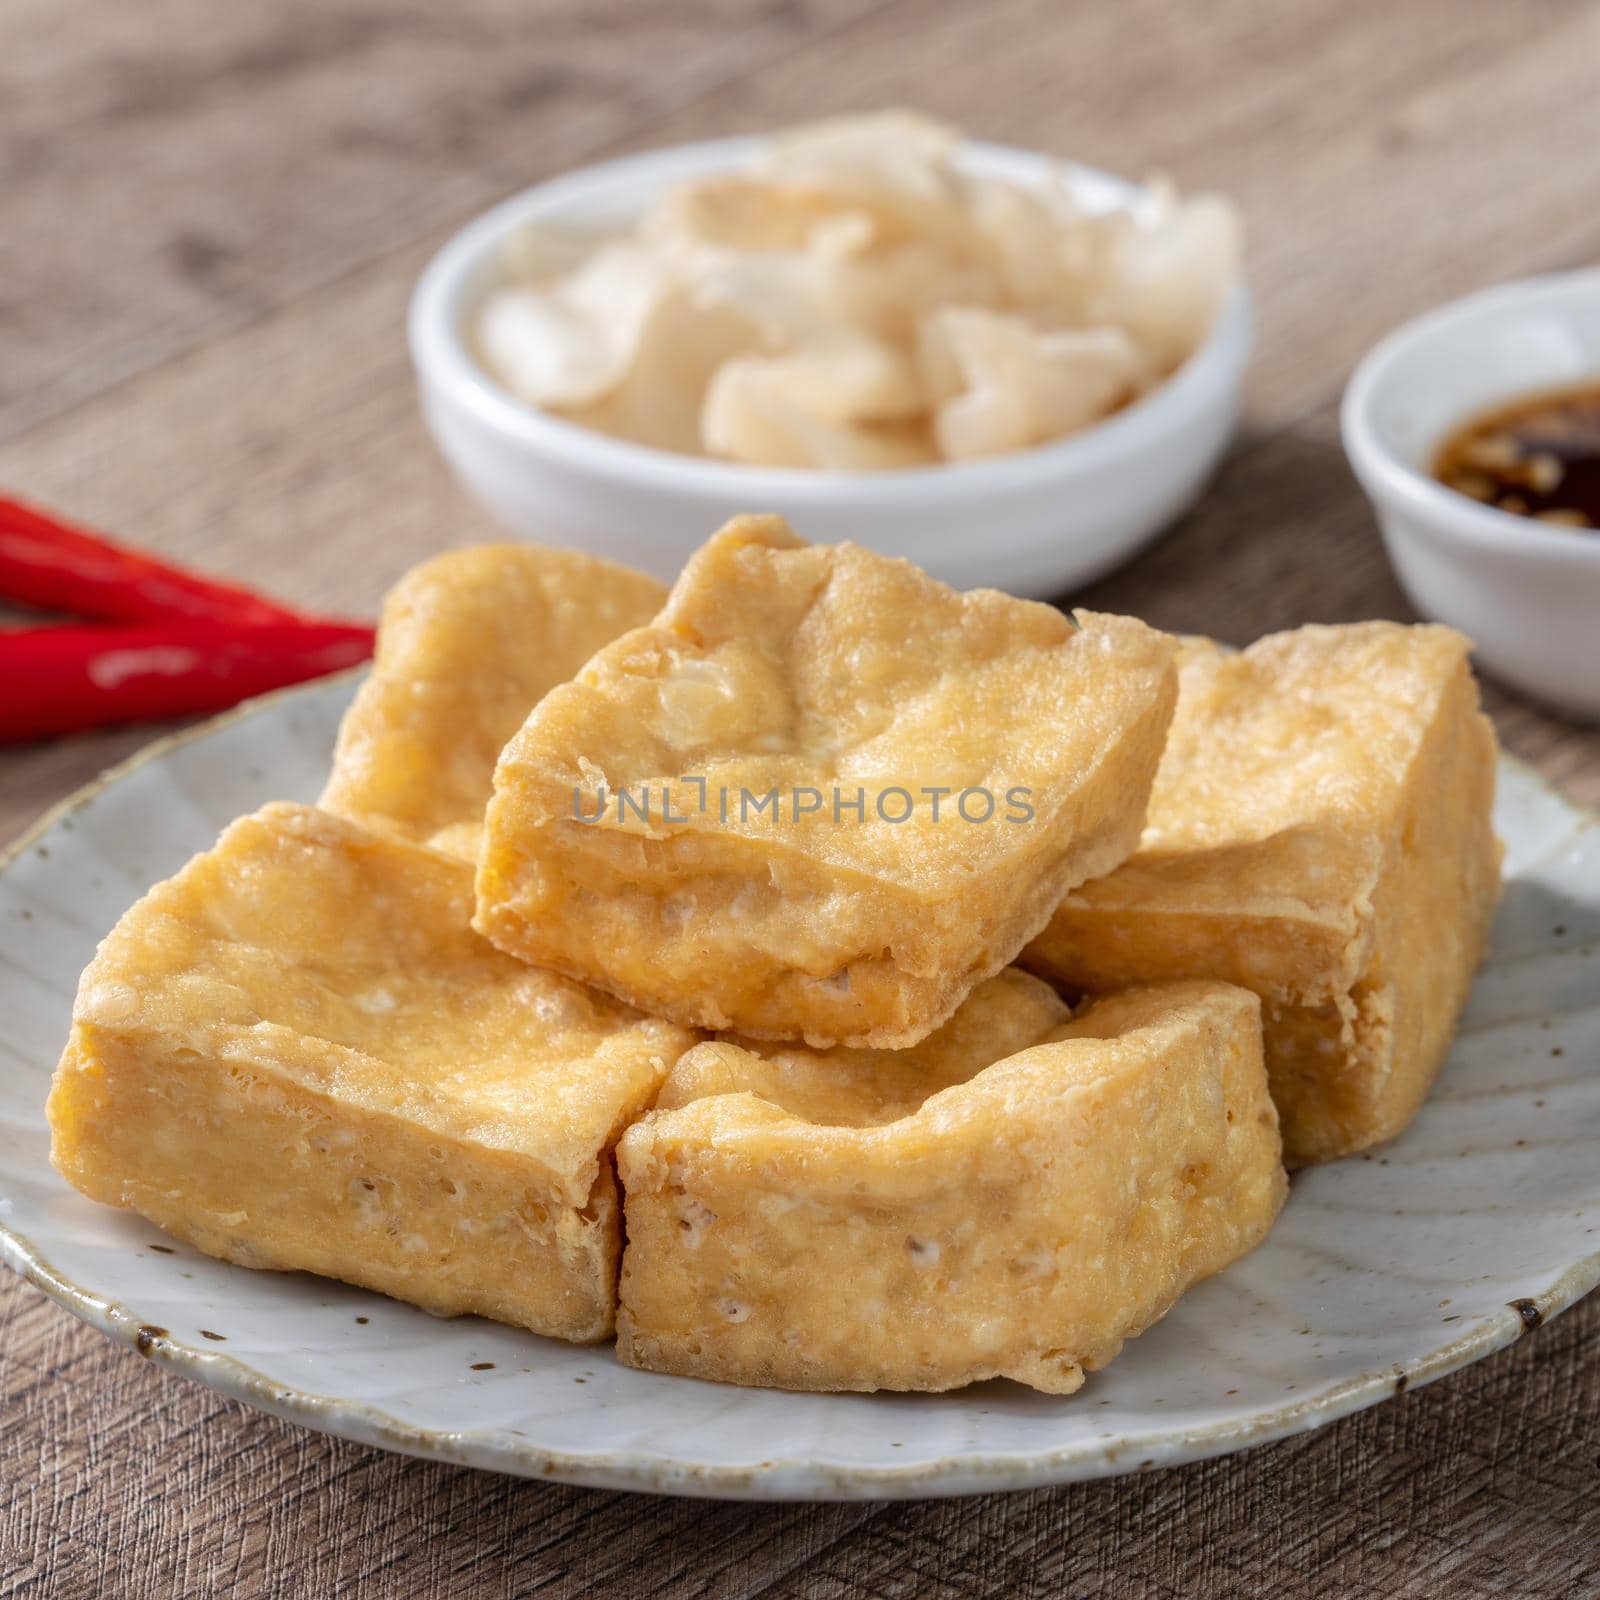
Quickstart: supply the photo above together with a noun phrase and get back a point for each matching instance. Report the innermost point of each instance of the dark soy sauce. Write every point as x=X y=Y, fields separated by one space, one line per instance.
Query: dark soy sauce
x=1536 y=457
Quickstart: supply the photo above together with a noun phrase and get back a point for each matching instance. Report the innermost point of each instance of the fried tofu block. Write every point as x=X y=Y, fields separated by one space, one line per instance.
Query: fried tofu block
x=1014 y=1197
x=468 y=644
x=1320 y=833
x=930 y=772
x=297 y=1054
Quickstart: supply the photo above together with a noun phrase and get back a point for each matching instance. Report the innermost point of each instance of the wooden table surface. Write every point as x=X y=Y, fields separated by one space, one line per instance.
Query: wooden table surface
x=209 y=220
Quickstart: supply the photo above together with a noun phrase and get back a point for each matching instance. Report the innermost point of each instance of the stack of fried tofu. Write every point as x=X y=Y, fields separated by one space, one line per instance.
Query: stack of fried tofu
x=927 y=986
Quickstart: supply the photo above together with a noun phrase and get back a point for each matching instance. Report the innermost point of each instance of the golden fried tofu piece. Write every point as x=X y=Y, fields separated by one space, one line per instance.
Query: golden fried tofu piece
x=1014 y=1197
x=468 y=644
x=822 y=795
x=297 y=1054
x=1320 y=832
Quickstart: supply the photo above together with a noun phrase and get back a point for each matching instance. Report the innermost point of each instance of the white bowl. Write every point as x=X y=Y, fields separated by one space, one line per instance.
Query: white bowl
x=1034 y=523
x=1528 y=593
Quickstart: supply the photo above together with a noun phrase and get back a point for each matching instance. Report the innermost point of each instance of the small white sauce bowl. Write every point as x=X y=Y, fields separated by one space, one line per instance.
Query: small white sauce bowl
x=1528 y=593
x=1034 y=523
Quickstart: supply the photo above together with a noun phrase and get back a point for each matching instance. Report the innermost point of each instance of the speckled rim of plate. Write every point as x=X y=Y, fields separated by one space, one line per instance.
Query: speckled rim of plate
x=779 y=1478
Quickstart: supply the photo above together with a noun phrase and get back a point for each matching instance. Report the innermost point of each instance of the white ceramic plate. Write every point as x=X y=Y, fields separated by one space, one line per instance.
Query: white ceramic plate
x=1480 y=1222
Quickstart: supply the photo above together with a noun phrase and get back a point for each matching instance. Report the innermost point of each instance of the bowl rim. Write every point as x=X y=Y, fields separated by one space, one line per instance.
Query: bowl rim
x=443 y=362
x=1388 y=477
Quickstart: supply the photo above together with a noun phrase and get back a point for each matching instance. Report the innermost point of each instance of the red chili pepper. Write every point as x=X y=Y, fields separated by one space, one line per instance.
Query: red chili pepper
x=46 y=563
x=67 y=679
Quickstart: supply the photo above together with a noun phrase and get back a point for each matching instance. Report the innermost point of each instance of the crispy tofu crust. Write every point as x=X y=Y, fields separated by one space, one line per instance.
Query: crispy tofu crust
x=468 y=644
x=777 y=667
x=809 y=1220
x=296 y=1054
x=1320 y=833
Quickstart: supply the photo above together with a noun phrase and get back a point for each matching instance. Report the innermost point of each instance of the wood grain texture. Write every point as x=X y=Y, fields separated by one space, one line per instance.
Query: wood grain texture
x=209 y=221
x=176 y=169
